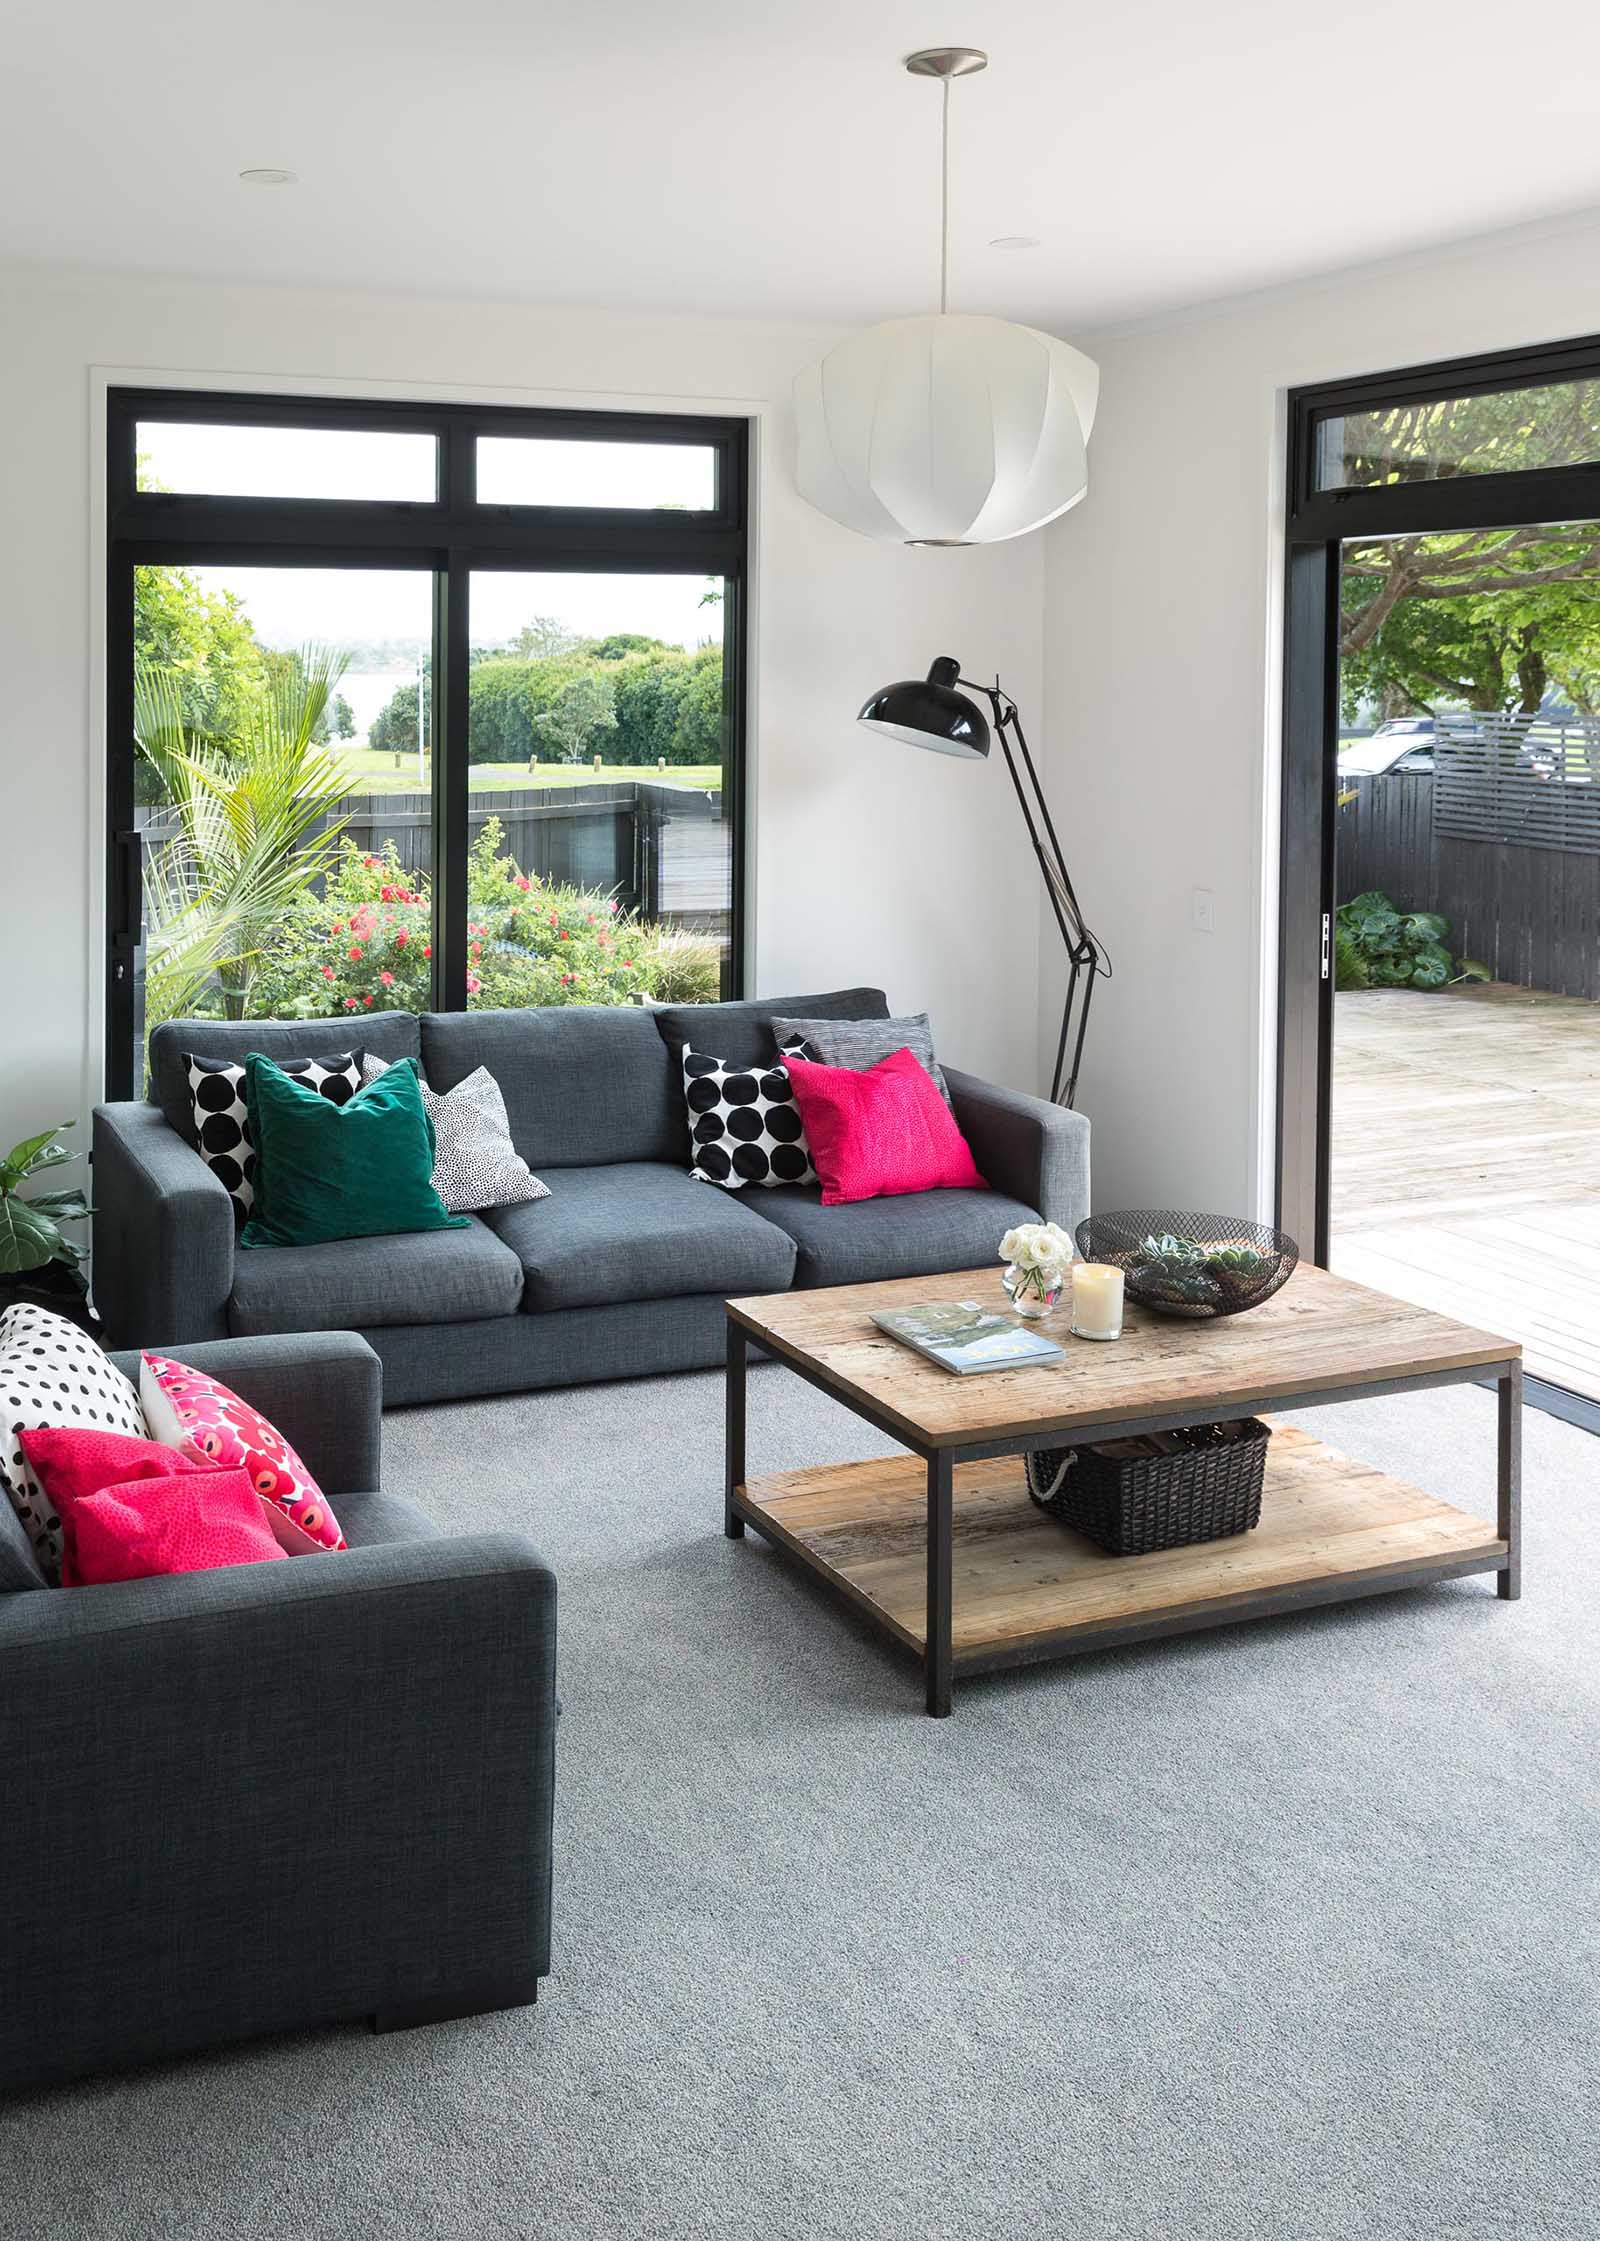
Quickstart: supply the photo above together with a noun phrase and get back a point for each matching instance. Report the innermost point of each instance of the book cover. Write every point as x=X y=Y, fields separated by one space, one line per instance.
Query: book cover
x=964 y=1336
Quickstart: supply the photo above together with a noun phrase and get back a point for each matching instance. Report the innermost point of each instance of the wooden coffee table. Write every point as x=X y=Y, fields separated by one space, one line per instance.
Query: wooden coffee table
x=944 y=1550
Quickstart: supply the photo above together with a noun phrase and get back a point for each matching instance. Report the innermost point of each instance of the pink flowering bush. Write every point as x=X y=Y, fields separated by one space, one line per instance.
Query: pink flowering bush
x=366 y=944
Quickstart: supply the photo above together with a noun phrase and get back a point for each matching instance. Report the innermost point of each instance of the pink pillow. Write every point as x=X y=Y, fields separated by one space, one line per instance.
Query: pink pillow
x=202 y=1419
x=73 y=1461
x=193 y=1521
x=880 y=1131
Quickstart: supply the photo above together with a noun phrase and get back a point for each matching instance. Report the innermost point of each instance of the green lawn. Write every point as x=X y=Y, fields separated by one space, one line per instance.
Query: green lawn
x=374 y=772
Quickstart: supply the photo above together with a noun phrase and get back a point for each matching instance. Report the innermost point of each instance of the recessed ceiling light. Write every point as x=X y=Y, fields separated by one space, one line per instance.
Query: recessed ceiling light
x=267 y=175
x=1015 y=241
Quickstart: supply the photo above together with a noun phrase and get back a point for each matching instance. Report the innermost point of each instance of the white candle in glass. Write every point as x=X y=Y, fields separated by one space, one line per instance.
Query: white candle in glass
x=1096 y=1300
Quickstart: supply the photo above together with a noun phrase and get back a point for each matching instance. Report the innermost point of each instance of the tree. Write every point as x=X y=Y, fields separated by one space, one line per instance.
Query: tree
x=585 y=704
x=621 y=643
x=394 y=729
x=254 y=829
x=647 y=693
x=698 y=738
x=1487 y=618
x=203 y=639
x=542 y=637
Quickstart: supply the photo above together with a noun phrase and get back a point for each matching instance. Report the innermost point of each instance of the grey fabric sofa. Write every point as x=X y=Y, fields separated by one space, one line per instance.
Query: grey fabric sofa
x=278 y=1795
x=622 y=1271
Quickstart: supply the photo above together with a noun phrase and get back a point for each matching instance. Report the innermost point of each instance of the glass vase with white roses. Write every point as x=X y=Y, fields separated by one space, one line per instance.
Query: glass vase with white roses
x=1037 y=1257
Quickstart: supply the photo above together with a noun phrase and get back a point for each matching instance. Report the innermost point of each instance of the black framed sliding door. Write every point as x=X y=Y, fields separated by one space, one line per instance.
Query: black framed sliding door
x=419 y=706
x=1441 y=731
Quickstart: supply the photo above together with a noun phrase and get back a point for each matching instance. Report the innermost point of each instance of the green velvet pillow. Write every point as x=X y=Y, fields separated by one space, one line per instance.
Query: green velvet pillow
x=323 y=1171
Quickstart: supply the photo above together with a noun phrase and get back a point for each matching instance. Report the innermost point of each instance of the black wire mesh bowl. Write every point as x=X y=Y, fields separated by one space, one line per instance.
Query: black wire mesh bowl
x=1195 y=1265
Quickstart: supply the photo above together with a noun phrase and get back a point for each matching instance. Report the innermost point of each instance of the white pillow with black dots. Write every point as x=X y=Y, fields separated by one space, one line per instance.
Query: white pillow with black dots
x=52 y=1373
x=744 y=1122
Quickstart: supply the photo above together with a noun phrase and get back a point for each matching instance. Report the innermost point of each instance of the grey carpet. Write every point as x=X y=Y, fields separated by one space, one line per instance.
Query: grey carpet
x=1285 y=1930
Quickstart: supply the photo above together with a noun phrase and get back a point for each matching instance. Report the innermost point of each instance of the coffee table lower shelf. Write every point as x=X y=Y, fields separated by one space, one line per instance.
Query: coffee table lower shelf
x=1024 y=1588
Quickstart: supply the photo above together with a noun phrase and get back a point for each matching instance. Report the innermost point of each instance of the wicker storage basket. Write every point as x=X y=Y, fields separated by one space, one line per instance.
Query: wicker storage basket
x=1160 y=1490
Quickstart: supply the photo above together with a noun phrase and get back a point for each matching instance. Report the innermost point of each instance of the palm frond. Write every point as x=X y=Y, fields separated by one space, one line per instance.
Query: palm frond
x=254 y=825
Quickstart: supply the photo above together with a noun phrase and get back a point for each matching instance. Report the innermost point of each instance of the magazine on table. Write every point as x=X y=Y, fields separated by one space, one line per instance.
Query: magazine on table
x=964 y=1336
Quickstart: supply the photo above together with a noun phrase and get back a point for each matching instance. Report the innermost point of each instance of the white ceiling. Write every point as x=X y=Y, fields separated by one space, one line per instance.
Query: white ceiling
x=773 y=159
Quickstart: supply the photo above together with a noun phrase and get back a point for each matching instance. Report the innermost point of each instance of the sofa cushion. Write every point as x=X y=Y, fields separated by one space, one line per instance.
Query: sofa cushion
x=639 y=1230
x=924 y=1234
x=370 y=1518
x=326 y=1173
x=147 y=1529
x=583 y=1083
x=387 y=1034
x=863 y=1042
x=195 y=1413
x=741 y=1034
x=51 y=1372
x=423 y=1276
x=222 y=1114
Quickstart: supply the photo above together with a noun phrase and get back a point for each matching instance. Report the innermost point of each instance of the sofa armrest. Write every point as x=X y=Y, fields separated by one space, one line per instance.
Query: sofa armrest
x=273 y=1796
x=1026 y=1146
x=163 y=1232
x=322 y=1389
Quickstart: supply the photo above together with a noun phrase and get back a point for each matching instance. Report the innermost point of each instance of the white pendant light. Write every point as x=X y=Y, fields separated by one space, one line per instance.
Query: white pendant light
x=951 y=429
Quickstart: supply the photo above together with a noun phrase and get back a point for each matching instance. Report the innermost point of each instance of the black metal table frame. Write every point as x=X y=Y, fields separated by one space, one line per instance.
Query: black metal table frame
x=941 y=1666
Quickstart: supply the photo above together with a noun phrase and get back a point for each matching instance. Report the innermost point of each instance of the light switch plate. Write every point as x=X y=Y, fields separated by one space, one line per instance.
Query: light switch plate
x=1205 y=911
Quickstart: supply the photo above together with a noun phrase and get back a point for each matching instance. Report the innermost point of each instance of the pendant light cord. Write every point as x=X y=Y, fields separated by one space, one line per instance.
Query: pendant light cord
x=944 y=198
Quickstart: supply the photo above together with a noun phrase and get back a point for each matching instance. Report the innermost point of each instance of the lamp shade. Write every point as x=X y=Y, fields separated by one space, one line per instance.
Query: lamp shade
x=929 y=712
x=948 y=430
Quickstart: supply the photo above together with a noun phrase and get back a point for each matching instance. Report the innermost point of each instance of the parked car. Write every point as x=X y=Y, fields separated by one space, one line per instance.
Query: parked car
x=1403 y=744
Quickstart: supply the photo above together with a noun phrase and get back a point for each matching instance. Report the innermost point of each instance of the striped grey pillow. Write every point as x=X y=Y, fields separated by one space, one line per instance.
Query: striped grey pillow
x=860 y=1043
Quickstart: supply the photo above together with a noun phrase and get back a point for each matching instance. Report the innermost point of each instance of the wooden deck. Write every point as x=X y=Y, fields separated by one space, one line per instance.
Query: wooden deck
x=1466 y=1162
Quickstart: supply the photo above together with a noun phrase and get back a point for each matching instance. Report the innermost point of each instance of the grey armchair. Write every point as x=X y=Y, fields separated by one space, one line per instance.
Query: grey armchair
x=280 y=1795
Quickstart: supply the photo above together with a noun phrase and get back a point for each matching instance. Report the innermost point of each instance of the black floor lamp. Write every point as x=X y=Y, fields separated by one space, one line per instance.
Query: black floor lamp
x=930 y=712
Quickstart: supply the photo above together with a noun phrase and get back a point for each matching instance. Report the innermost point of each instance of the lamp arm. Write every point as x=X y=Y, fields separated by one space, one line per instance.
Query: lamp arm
x=1086 y=958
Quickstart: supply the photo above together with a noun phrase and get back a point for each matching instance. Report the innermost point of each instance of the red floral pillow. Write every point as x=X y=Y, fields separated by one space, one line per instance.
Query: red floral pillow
x=881 y=1131
x=202 y=1418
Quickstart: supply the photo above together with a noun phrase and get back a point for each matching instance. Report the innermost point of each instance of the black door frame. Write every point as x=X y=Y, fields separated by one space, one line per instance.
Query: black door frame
x=451 y=537
x=1318 y=522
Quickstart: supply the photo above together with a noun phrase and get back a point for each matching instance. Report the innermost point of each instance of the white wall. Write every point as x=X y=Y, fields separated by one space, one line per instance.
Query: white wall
x=871 y=863
x=1162 y=652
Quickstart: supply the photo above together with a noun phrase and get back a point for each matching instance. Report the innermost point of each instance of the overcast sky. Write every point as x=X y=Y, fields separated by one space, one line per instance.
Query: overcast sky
x=292 y=606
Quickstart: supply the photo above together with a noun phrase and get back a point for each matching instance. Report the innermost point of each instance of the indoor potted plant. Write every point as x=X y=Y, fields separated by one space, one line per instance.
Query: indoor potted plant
x=37 y=1260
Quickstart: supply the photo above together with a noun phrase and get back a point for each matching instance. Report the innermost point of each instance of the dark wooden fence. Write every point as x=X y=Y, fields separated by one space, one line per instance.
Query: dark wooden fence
x=1531 y=914
x=663 y=851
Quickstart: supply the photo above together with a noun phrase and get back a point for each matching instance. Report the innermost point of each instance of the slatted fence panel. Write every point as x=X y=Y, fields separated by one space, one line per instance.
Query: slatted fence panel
x=1530 y=912
x=663 y=851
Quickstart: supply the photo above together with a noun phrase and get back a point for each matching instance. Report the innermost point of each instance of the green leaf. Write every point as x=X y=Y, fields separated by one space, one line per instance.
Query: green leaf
x=1431 y=970
x=1428 y=925
x=27 y=1238
x=61 y=1206
x=1468 y=968
x=33 y=1153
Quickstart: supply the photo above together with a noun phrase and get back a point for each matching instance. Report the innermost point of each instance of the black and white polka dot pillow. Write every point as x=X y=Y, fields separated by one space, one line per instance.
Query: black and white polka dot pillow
x=744 y=1124
x=220 y=1122
x=53 y=1373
